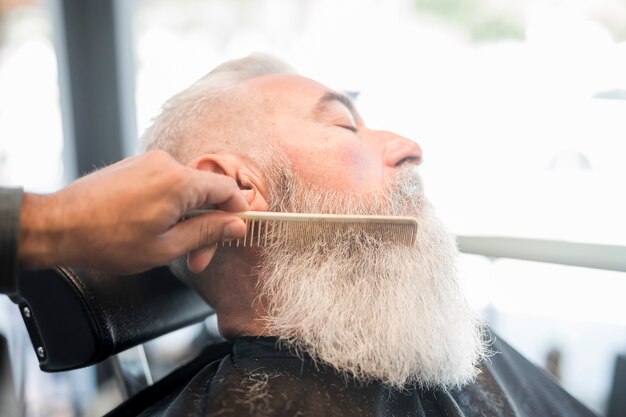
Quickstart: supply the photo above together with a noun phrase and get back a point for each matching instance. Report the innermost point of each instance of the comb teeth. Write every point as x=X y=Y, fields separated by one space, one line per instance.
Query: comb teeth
x=263 y=229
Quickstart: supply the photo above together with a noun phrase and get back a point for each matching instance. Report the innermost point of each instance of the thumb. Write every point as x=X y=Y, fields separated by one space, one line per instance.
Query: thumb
x=199 y=259
x=206 y=230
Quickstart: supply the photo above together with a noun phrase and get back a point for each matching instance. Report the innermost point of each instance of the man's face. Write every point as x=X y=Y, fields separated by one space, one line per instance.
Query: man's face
x=325 y=139
x=370 y=308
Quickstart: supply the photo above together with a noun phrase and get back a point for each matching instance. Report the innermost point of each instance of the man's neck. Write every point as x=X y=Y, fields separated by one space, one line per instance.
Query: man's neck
x=230 y=287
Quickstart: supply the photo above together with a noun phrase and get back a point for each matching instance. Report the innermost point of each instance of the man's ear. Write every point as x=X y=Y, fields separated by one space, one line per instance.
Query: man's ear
x=249 y=180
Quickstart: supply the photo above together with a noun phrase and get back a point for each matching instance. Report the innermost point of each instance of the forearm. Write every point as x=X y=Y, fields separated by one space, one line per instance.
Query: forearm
x=41 y=232
x=10 y=203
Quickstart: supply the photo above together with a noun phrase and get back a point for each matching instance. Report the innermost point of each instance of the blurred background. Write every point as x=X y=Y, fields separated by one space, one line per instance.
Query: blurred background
x=519 y=105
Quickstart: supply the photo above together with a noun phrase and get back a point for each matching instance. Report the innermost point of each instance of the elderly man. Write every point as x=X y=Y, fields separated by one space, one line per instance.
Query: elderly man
x=347 y=325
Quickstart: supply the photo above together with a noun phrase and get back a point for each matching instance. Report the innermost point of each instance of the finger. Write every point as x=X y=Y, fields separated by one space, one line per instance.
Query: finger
x=219 y=190
x=205 y=230
x=199 y=259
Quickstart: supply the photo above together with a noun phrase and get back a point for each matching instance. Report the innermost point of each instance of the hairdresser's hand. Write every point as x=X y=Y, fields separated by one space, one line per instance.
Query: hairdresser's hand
x=124 y=218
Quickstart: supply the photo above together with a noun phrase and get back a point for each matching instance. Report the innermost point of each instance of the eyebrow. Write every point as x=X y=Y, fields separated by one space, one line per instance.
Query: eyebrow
x=331 y=96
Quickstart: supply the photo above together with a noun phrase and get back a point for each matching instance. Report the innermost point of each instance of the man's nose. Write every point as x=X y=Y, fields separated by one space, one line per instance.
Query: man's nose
x=399 y=150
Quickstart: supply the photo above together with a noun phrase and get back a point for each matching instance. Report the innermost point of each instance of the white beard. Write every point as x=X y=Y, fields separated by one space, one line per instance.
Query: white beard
x=373 y=310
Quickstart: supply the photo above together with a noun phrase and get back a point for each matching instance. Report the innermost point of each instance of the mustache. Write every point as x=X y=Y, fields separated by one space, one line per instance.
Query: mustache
x=405 y=192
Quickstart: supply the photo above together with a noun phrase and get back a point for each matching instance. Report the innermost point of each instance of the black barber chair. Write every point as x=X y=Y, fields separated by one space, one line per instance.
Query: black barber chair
x=76 y=318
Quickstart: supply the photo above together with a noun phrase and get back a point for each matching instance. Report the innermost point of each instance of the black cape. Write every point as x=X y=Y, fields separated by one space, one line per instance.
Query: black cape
x=255 y=377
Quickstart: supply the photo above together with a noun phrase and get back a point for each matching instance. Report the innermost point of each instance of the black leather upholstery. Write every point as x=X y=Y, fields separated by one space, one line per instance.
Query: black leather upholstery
x=76 y=318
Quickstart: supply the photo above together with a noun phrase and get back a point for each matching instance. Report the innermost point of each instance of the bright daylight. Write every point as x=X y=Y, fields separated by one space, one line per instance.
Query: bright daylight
x=497 y=125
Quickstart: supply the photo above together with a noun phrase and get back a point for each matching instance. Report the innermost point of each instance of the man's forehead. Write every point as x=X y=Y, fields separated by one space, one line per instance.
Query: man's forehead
x=288 y=87
x=290 y=92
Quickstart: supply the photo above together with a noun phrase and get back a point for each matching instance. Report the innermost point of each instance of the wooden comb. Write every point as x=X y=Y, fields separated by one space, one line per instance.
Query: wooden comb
x=263 y=227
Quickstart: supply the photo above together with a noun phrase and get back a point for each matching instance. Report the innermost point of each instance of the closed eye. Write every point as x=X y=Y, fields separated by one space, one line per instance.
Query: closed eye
x=350 y=128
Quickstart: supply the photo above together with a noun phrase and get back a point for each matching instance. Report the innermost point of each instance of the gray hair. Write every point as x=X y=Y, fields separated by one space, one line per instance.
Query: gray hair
x=204 y=111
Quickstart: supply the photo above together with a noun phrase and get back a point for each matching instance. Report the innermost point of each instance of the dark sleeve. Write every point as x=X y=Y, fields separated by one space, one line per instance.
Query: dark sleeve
x=10 y=204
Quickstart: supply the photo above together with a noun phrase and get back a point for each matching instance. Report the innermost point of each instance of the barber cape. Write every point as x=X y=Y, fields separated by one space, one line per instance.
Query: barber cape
x=256 y=377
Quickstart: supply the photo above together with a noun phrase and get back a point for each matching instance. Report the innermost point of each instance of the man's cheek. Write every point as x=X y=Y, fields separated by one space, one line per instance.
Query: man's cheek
x=336 y=165
x=367 y=170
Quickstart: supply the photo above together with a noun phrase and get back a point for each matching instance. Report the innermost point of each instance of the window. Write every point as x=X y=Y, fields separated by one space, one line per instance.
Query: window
x=31 y=136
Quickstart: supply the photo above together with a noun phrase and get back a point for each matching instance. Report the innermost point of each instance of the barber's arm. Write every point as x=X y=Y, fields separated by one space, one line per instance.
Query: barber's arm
x=121 y=219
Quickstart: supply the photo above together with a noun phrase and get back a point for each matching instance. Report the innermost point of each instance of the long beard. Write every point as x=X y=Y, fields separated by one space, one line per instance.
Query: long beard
x=372 y=309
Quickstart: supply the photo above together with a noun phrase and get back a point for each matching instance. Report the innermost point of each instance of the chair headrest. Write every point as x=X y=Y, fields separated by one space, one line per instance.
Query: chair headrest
x=77 y=317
